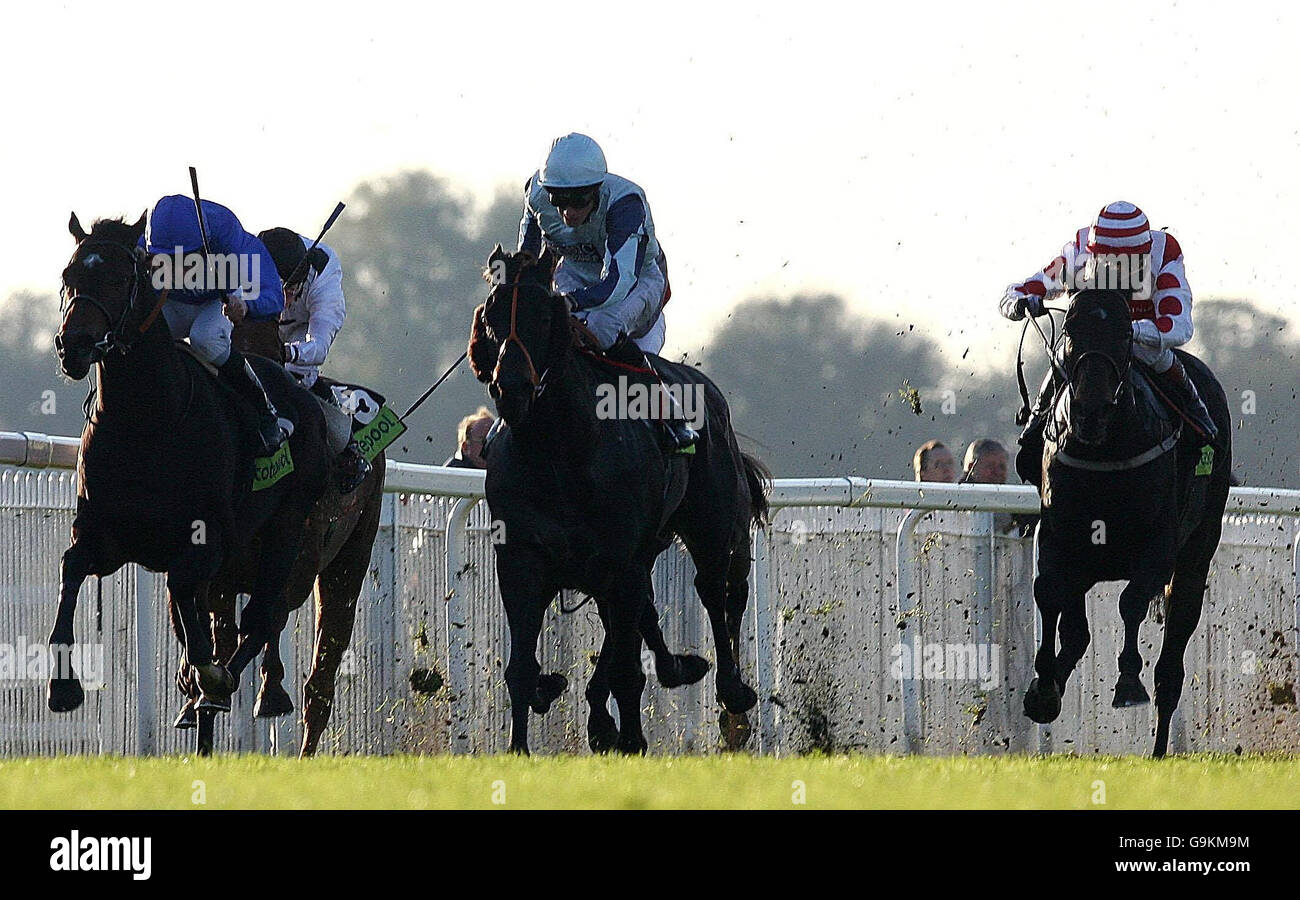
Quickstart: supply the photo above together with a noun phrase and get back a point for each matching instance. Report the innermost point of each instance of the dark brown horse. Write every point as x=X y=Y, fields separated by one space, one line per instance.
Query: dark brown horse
x=589 y=502
x=165 y=475
x=335 y=557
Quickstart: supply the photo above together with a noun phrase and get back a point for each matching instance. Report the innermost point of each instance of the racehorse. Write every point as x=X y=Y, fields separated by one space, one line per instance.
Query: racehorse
x=335 y=557
x=1127 y=495
x=165 y=474
x=588 y=502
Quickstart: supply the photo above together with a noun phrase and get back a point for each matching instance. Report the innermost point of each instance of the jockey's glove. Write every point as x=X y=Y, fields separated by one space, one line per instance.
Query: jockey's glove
x=1146 y=333
x=291 y=353
x=1016 y=303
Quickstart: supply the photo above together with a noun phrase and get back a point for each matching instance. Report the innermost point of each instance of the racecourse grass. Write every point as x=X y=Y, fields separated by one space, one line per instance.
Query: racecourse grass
x=713 y=782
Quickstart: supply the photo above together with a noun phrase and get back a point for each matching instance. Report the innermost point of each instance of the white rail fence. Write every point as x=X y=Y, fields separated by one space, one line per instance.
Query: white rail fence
x=847 y=648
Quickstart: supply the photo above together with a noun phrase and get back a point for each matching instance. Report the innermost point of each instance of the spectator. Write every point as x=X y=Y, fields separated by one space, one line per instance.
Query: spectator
x=933 y=462
x=472 y=433
x=985 y=462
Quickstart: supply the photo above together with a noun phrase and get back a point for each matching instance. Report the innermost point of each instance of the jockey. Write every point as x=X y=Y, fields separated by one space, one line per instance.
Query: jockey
x=611 y=270
x=197 y=312
x=1119 y=249
x=314 y=310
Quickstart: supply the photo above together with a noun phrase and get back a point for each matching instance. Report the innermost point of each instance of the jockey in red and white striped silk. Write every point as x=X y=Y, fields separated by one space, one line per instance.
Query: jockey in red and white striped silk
x=1119 y=250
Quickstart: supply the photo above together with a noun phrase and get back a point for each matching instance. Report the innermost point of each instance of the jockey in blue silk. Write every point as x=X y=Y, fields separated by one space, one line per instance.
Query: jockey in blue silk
x=612 y=271
x=314 y=310
x=207 y=313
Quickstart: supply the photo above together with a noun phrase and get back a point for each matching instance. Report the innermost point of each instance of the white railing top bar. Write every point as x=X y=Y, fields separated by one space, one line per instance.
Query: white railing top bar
x=45 y=451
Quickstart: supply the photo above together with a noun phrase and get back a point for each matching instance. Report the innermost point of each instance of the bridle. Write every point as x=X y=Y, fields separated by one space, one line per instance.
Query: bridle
x=537 y=381
x=113 y=338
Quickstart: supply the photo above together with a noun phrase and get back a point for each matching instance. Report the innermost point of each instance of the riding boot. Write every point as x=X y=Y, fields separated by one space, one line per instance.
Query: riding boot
x=680 y=434
x=240 y=376
x=1029 y=460
x=1188 y=400
x=353 y=467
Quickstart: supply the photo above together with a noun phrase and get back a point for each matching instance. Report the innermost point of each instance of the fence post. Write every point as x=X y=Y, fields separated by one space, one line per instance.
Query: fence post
x=760 y=572
x=910 y=627
x=458 y=679
x=146 y=665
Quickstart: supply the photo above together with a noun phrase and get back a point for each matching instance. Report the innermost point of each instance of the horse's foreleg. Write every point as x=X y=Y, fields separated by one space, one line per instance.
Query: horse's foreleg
x=65 y=691
x=602 y=730
x=1075 y=636
x=1043 y=697
x=185 y=580
x=1134 y=604
x=267 y=612
x=623 y=646
x=525 y=598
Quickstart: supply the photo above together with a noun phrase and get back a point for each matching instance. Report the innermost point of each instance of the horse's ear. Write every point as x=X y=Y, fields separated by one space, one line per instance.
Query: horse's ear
x=498 y=254
x=75 y=229
x=137 y=230
x=483 y=350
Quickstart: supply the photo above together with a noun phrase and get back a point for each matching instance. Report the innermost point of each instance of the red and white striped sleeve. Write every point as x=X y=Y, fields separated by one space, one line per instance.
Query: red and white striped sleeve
x=1052 y=279
x=1172 y=298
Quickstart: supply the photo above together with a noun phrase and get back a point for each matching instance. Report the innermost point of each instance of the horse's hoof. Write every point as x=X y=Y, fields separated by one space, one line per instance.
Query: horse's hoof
x=1129 y=692
x=634 y=745
x=737 y=697
x=602 y=733
x=188 y=717
x=1042 y=706
x=549 y=687
x=735 y=729
x=65 y=695
x=215 y=702
x=214 y=679
x=272 y=701
x=687 y=669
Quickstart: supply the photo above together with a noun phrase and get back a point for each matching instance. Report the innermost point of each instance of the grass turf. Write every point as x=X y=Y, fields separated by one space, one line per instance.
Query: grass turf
x=714 y=782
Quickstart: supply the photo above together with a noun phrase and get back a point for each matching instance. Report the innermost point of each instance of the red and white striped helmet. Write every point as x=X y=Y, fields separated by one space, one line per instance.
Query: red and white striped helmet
x=1120 y=228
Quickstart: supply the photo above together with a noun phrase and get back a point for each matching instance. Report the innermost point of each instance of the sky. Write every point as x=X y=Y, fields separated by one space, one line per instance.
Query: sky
x=914 y=158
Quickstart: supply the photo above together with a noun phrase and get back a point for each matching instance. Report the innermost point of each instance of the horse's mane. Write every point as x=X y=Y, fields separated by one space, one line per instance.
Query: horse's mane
x=111 y=229
x=1098 y=316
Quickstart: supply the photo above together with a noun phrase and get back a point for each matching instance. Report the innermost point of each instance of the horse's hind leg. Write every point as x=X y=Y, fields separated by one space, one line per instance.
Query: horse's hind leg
x=1186 y=596
x=711 y=583
x=337 y=590
x=672 y=670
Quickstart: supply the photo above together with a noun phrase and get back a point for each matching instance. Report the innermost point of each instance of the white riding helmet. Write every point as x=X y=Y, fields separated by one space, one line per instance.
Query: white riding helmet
x=575 y=161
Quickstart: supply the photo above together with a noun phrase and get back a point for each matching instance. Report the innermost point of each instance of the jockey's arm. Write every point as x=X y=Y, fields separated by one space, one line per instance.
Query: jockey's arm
x=530 y=231
x=326 y=310
x=1051 y=281
x=609 y=304
x=265 y=298
x=1172 y=299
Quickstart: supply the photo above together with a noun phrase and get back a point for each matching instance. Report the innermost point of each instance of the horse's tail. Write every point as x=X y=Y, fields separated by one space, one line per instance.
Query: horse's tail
x=759 y=477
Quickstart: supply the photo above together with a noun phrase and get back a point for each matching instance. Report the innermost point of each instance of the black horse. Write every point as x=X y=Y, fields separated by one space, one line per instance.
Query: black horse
x=1127 y=495
x=590 y=502
x=165 y=474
